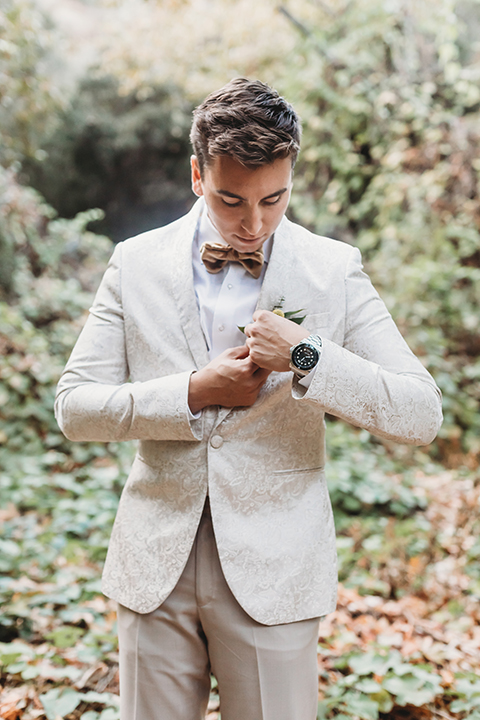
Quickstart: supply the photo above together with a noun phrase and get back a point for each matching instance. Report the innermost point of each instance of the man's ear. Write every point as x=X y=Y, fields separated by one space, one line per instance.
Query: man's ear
x=197 y=185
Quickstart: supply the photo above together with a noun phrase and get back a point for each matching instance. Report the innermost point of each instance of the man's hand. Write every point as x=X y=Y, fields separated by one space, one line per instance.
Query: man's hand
x=269 y=339
x=230 y=380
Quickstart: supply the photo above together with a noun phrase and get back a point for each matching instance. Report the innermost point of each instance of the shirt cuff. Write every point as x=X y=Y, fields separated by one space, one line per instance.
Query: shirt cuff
x=197 y=415
x=306 y=381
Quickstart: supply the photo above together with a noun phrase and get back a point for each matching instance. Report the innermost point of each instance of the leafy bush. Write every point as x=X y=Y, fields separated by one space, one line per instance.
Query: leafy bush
x=390 y=157
x=390 y=161
x=363 y=477
x=199 y=51
x=50 y=267
x=29 y=96
x=58 y=499
x=127 y=153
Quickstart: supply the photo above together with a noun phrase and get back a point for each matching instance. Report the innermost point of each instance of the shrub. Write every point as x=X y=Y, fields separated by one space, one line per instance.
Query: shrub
x=390 y=162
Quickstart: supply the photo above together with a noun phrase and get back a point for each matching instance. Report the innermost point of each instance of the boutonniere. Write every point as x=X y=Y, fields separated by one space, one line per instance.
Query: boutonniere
x=289 y=314
x=293 y=315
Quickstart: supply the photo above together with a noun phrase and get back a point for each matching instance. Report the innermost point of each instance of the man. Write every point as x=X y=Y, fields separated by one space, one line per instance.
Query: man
x=222 y=555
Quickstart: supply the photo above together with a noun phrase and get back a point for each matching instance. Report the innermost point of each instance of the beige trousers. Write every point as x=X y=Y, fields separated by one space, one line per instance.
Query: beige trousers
x=263 y=672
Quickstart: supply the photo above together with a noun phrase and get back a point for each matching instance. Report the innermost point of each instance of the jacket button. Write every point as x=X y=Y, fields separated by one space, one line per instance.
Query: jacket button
x=216 y=441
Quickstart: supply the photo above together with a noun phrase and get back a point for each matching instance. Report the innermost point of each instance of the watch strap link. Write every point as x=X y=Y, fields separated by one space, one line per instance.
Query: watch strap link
x=316 y=341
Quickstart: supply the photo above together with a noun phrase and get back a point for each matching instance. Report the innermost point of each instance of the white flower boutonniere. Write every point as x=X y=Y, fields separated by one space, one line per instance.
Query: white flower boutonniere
x=289 y=314
x=293 y=315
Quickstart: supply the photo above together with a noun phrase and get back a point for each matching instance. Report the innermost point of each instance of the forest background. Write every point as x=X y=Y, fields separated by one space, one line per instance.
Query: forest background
x=95 y=107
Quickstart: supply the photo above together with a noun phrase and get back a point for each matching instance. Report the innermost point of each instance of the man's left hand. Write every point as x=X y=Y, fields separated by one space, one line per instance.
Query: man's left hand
x=269 y=339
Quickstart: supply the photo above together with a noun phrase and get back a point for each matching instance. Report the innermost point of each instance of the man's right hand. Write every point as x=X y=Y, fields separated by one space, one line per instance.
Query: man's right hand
x=230 y=380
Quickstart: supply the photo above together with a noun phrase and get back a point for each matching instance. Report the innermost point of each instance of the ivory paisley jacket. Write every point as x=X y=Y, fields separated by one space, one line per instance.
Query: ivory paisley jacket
x=262 y=466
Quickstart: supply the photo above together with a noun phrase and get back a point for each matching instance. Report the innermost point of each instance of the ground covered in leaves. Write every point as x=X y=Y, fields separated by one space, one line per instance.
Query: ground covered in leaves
x=390 y=158
x=403 y=643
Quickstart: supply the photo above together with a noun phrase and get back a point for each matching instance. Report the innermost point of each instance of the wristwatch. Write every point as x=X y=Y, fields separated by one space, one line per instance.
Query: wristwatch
x=305 y=355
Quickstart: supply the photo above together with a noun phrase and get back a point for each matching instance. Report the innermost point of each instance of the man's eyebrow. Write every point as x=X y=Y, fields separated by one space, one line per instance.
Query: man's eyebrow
x=227 y=193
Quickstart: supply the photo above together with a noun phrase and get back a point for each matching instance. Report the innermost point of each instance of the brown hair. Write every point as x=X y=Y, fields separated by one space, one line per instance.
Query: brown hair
x=248 y=121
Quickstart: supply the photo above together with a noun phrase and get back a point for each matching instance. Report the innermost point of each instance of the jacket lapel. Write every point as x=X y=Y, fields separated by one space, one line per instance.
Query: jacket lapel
x=280 y=274
x=183 y=288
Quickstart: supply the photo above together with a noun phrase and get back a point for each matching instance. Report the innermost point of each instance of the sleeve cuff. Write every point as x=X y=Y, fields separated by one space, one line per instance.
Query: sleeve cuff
x=191 y=416
x=306 y=381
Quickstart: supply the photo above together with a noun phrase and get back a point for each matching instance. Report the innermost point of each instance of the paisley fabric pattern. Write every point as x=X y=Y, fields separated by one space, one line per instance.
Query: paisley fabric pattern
x=263 y=466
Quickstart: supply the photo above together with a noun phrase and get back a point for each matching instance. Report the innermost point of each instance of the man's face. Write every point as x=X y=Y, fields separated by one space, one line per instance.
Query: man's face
x=244 y=205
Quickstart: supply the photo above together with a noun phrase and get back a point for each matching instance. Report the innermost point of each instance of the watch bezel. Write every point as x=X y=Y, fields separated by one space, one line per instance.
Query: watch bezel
x=313 y=342
x=298 y=369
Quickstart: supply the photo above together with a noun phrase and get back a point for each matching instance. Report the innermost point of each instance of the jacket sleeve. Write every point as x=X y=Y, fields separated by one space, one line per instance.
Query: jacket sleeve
x=95 y=401
x=374 y=381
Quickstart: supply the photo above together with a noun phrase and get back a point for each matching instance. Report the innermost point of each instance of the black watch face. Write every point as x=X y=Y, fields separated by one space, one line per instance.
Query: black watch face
x=305 y=357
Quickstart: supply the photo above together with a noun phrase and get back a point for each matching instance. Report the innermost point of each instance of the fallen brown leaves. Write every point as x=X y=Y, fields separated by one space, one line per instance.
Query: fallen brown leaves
x=439 y=624
x=435 y=622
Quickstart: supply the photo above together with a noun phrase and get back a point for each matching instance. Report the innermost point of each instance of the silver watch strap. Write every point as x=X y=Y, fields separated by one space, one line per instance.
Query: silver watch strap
x=316 y=341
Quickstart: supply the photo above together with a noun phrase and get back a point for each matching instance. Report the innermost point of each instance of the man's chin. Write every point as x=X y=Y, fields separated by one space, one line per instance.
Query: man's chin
x=244 y=245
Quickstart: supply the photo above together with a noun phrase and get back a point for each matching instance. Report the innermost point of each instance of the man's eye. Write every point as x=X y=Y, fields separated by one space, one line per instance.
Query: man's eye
x=272 y=201
x=231 y=203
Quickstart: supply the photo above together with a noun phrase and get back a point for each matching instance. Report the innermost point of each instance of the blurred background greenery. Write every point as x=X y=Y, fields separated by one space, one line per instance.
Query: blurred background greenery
x=95 y=107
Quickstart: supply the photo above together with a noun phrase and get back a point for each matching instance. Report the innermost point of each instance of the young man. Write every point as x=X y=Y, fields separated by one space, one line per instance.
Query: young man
x=222 y=555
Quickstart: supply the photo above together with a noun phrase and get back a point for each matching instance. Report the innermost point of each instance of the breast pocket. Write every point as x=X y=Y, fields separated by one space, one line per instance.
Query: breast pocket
x=317 y=323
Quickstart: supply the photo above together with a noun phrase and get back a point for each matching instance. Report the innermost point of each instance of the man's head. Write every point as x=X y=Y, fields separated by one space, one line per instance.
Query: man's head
x=247 y=121
x=246 y=139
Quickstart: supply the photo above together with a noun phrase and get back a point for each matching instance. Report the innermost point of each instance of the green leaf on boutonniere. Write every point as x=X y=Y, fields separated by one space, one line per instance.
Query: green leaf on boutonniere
x=289 y=315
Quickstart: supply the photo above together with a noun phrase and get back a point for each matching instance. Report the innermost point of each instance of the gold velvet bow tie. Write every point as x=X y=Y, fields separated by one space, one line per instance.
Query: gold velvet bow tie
x=215 y=256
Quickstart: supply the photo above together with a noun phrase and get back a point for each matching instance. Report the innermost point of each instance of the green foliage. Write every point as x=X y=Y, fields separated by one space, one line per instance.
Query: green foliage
x=52 y=265
x=390 y=161
x=60 y=702
x=364 y=477
x=29 y=97
x=374 y=682
x=467 y=691
x=125 y=153
x=199 y=51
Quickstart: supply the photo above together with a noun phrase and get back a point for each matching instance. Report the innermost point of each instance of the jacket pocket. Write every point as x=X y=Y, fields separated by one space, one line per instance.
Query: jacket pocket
x=294 y=471
x=316 y=322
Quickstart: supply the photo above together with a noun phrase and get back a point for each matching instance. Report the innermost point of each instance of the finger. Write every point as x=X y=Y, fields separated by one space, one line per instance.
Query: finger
x=248 y=330
x=239 y=352
x=253 y=352
x=258 y=314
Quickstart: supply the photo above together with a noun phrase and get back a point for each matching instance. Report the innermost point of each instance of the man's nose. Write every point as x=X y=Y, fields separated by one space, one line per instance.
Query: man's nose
x=252 y=221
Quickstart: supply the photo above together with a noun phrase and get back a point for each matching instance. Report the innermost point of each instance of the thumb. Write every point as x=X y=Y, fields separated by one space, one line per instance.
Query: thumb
x=239 y=352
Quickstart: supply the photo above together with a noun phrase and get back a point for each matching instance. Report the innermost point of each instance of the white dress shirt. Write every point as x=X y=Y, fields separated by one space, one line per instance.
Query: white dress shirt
x=227 y=299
